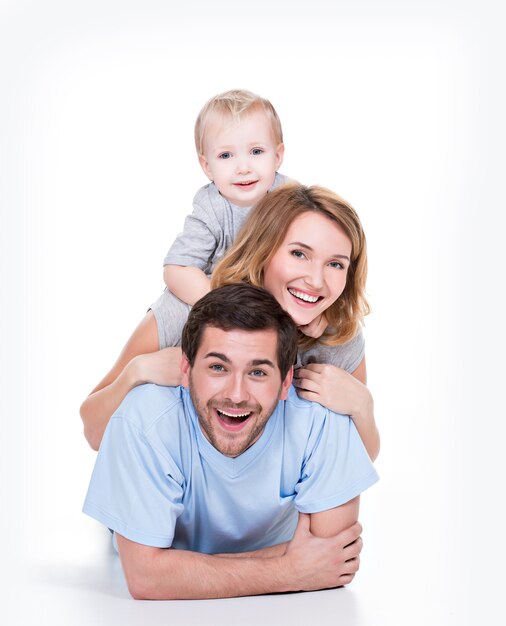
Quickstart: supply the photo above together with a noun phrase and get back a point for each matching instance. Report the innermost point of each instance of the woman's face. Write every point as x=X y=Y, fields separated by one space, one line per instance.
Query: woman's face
x=308 y=271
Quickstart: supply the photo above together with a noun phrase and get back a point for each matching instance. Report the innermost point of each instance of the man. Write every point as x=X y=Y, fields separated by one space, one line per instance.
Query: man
x=253 y=495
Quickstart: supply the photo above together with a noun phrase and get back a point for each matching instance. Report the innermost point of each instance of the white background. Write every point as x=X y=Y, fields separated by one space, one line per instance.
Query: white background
x=399 y=107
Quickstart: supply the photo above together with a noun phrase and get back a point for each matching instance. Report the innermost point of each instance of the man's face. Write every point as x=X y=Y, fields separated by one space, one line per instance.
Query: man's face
x=235 y=384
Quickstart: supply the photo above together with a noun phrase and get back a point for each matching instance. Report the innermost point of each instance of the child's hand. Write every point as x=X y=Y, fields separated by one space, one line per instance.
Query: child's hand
x=316 y=328
x=161 y=367
x=334 y=388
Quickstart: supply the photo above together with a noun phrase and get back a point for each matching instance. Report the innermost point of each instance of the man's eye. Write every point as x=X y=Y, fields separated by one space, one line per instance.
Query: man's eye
x=225 y=155
x=257 y=151
x=216 y=367
x=258 y=373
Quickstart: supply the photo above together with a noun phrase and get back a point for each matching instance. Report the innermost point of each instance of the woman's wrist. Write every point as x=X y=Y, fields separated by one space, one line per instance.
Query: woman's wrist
x=364 y=409
x=134 y=374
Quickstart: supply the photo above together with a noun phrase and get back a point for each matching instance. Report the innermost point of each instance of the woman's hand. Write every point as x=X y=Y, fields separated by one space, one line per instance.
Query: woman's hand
x=334 y=388
x=160 y=367
x=341 y=392
x=316 y=328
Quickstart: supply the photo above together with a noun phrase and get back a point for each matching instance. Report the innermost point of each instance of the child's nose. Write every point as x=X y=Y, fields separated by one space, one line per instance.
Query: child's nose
x=243 y=166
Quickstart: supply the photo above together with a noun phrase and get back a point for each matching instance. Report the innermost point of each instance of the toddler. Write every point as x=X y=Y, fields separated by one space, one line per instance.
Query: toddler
x=239 y=143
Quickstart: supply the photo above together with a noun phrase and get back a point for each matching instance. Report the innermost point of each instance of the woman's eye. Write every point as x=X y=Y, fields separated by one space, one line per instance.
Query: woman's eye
x=225 y=155
x=337 y=265
x=257 y=151
x=298 y=253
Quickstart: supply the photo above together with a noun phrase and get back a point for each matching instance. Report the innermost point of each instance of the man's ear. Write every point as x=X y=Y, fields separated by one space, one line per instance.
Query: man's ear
x=185 y=366
x=280 y=153
x=285 y=385
x=205 y=166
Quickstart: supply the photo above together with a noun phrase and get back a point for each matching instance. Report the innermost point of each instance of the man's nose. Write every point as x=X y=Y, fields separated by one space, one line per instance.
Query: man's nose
x=236 y=390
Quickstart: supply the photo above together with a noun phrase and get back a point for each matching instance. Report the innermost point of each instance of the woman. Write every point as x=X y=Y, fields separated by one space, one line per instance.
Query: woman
x=306 y=246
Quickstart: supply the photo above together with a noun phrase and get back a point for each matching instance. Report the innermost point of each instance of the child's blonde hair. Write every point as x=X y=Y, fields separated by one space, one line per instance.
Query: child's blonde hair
x=265 y=229
x=234 y=104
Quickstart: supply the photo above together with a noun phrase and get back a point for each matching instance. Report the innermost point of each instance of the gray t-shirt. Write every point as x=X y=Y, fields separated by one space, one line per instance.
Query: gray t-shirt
x=171 y=314
x=210 y=230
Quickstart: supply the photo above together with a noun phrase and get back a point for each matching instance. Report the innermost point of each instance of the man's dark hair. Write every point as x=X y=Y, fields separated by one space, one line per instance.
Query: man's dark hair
x=241 y=307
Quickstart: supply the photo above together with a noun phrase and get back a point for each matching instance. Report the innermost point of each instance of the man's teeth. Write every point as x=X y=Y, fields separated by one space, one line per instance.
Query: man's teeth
x=237 y=416
x=303 y=296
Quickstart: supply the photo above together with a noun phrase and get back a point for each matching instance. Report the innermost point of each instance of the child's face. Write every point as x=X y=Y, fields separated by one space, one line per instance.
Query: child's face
x=242 y=158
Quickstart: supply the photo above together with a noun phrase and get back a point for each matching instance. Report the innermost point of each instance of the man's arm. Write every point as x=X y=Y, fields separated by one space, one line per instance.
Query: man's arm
x=308 y=563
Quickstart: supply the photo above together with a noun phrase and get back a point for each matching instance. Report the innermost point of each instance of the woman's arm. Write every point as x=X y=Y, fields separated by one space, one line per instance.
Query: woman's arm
x=140 y=362
x=344 y=393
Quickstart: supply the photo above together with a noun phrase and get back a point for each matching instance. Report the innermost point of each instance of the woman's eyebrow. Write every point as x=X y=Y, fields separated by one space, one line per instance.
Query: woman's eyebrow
x=301 y=244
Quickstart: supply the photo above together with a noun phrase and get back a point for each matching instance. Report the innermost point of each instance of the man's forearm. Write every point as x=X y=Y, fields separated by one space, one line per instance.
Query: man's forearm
x=306 y=563
x=156 y=574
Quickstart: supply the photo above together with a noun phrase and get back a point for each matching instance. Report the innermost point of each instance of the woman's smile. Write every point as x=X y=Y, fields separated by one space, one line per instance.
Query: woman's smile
x=308 y=271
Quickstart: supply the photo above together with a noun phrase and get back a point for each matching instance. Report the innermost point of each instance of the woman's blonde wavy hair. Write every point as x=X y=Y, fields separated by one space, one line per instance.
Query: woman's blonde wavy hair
x=264 y=231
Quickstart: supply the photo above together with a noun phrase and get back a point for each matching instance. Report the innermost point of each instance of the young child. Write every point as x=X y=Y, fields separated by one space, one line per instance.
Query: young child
x=240 y=147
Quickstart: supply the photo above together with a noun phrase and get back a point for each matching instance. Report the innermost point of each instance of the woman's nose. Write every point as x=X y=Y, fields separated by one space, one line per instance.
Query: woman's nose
x=314 y=277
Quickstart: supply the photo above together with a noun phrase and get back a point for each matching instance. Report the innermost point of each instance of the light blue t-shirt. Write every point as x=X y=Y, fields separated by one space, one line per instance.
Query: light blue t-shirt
x=159 y=482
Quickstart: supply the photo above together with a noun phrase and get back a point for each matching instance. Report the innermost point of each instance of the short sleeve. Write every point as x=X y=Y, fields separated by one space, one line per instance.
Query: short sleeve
x=170 y=314
x=196 y=245
x=134 y=490
x=337 y=467
x=347 y=356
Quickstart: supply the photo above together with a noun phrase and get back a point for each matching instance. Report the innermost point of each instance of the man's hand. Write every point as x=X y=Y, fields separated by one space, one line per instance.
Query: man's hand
x=322 y=563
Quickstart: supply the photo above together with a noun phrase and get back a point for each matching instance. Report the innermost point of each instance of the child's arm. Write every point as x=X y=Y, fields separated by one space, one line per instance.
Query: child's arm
x=188 y=283
x=192 y=252
x=344 y=393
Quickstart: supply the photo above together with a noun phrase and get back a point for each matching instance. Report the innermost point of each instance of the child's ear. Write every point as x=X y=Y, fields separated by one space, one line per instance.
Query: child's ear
x=280 y=153
x=184 y=366
x=205 y=166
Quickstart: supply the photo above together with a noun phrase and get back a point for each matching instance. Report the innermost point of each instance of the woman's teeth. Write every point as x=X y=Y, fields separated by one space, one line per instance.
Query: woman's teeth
x=304 y=296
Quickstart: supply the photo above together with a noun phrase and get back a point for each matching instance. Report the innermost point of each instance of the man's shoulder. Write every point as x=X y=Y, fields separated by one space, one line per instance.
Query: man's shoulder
x=306 y=409
x=147 y=404
x=303 y=415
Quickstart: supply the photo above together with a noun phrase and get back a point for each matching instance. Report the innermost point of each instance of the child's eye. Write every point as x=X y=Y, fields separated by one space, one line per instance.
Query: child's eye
x=225 y=155
x=257 y=151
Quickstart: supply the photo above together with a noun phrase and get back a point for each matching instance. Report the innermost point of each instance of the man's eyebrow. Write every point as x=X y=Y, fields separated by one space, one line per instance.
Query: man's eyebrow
x=301 y=244
x=217 y=355
x=257 y=362
x=252 y=363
